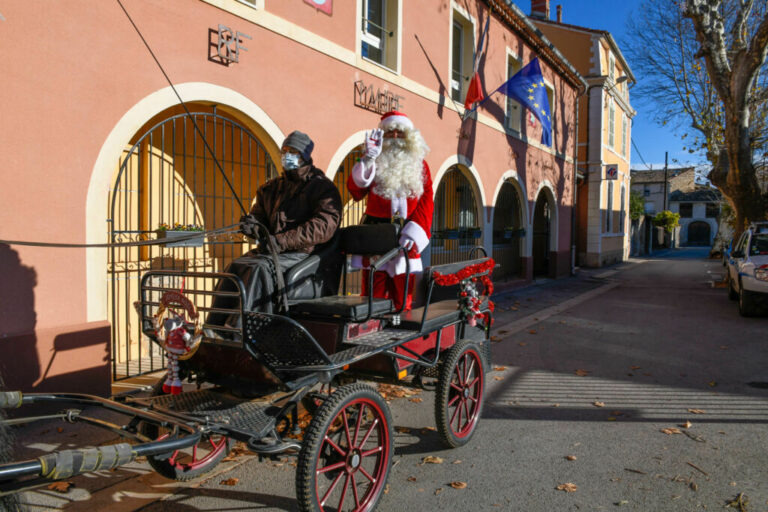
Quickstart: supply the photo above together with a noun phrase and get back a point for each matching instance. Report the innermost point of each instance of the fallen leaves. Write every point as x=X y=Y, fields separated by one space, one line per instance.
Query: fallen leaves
x=567 y=487
x=740 y=502
x=495 y=339
x=62 y=487
x=411 y=478
x=697 y=411
x=431 y=459
x=237 y=451
x=670 y=431
x=415 y=400
x=230 y=481
x=687 y=424
x=570 y=457
x=390 y=391
x=403 y=430
x=438 y=490
x=582 y=373
x=458 y=485
x=634 y=367
x=499 y=368
x=712 y=383
x=522 y=344
x=598 y=404
x=498 y=378
x=532 y=331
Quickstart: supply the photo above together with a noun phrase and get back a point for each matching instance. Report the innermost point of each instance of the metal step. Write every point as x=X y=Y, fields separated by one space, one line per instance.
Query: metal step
x=383 y=337
x=248 y=417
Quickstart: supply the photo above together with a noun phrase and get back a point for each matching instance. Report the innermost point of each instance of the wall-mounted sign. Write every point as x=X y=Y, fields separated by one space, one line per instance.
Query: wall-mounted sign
x=229 y=44
x=376 y=100
x=611 y=172
x=321 y=5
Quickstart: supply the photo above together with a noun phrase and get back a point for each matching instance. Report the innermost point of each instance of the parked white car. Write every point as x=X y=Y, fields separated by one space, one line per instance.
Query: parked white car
x=748 y=269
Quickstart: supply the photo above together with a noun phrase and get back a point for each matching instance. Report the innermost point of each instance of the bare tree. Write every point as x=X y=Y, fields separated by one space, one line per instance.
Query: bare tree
x=733 y=41
x=676 y=83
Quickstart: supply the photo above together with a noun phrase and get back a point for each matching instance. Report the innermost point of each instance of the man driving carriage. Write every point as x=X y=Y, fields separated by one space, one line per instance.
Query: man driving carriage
x=301 y=209
x=396 y=179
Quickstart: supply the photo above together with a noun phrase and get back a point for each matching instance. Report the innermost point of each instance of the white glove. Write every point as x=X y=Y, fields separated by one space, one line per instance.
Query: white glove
x=373 y=143
x=407 y=242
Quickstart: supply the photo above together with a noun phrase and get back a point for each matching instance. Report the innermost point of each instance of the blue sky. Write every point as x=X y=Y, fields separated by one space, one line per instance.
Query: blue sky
x=651 y=139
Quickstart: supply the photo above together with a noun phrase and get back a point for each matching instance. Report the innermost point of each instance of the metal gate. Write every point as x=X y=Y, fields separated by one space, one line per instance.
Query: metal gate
x=169 y=178
x=455 y=222
x=508 y=233
x=353 y=210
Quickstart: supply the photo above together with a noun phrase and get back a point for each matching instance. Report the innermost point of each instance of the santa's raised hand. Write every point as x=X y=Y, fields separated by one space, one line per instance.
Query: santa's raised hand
x=373 y=143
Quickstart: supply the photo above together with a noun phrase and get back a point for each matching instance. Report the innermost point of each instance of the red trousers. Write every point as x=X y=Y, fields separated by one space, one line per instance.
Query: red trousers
x=385 y=287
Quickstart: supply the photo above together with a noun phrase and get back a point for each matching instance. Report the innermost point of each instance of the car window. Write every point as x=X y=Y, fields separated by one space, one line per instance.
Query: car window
x=740 y=244
x=759 y=245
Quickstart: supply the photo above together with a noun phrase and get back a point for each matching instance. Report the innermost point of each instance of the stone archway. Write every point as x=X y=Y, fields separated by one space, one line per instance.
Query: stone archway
x=509 y=231
x=544 y=234
x=196 y=170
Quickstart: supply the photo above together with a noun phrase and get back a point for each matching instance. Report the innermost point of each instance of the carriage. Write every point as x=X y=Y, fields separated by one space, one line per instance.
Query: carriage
x=258 y=380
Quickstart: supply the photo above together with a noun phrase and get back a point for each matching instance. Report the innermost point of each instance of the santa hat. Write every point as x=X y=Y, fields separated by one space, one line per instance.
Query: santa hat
x=395 y=120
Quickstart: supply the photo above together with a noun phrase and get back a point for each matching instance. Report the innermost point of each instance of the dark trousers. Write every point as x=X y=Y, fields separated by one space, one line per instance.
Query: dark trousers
x=257 y=271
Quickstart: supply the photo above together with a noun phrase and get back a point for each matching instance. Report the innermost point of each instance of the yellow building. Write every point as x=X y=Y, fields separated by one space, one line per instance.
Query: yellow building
x=604 y=137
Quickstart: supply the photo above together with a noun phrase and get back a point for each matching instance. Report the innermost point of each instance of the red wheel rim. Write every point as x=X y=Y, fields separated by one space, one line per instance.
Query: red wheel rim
x=465 y=394
x=199 y=455
x=353 y=458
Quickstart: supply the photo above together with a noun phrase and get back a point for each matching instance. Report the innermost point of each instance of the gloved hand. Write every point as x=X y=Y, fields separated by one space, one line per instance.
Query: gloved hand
x=373 y=142
x=249 y=226
x=407 y=242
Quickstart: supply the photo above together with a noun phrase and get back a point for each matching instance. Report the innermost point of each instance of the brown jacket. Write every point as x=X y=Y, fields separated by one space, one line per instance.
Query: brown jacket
x=302 y=208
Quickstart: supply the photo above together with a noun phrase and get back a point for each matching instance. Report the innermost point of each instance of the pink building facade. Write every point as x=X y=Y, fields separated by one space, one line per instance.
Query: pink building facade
x=97 y=148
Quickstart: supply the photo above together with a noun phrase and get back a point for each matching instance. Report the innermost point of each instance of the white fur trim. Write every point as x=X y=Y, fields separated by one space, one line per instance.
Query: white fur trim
x=396 y=122
x=396 y=266
x=393 y=267
x=361 y=176
x=417 y=234
x=399 y=204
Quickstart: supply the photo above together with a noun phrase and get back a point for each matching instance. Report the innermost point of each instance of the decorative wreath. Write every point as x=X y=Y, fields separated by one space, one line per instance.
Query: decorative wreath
x=469 y=296
x=175 y=303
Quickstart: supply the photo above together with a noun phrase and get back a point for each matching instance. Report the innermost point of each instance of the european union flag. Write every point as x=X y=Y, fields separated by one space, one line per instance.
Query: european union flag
x=527 y=87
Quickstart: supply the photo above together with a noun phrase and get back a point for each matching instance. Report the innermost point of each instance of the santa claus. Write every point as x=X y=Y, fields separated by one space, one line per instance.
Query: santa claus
x=396 y=179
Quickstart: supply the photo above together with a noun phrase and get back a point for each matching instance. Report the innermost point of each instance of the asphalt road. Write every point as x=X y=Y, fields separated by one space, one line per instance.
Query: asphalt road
x=596 y=371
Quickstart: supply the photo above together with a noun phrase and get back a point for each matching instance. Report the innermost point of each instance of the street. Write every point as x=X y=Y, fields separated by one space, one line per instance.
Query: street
x=640 y=385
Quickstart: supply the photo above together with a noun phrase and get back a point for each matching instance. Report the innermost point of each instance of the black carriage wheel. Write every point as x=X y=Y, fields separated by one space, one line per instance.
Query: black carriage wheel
x=347 y=452
x=189 y=463
x=459 y=394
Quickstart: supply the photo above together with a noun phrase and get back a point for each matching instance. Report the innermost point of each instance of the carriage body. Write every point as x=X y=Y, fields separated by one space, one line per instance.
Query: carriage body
x=256 y=380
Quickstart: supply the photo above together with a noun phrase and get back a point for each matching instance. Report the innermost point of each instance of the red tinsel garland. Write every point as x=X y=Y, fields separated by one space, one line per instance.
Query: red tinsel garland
x=468 y=272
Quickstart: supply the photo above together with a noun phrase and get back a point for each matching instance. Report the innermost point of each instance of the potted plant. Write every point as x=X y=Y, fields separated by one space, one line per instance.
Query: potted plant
x=181 y=231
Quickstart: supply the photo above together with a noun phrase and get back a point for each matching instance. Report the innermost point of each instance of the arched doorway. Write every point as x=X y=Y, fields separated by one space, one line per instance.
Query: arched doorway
x=542 y=235
x=353 y=210
x=508 y=232
x=456 y=224
x=699 y=233
x=167 y=176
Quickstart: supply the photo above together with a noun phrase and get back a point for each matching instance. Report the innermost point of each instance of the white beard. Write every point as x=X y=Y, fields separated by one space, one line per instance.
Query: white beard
x=400 y=167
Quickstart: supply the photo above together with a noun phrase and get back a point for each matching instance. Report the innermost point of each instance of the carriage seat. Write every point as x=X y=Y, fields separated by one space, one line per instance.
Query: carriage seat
x=351 y=307
x=316 y=276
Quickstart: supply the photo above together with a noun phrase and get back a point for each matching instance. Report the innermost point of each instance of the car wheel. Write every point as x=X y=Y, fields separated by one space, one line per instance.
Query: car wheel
x=747 y=305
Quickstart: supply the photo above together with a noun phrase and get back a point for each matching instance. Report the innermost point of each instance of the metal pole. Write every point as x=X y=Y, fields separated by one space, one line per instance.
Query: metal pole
x=666 y=179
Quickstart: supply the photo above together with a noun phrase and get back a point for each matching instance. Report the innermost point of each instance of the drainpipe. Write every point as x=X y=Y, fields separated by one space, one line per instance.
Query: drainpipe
x=575 y=172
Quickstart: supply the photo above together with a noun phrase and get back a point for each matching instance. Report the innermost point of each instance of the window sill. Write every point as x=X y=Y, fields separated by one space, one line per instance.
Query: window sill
x=379 y=65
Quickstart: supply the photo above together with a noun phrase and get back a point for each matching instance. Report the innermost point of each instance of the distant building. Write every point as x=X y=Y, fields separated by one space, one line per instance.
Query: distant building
x=699 y=211
x=604 y=139
x=651 y=185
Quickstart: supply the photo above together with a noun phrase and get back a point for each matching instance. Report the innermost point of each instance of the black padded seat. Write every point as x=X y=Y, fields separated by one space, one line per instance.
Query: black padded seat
x=351 y=307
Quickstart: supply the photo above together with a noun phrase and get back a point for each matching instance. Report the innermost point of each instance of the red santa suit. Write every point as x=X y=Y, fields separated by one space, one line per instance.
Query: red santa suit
x=415 y=207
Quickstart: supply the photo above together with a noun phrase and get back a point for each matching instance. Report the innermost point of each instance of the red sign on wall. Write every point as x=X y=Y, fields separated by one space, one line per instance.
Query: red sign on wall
x=321 y=5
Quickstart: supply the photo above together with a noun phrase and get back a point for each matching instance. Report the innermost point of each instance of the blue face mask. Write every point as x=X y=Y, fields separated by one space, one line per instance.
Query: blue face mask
x=290 y=161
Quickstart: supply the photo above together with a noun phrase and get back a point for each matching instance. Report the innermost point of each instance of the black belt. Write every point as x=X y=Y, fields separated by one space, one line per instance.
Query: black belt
x=370 y=219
